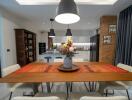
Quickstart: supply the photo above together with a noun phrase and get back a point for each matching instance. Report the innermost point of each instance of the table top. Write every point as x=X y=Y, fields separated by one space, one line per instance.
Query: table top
x=89 y=71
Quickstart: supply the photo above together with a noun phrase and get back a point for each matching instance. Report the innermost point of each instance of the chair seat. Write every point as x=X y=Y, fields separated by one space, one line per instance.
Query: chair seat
x=104 y=98
x=36 y=98
x=21 y=86
x=118 y=85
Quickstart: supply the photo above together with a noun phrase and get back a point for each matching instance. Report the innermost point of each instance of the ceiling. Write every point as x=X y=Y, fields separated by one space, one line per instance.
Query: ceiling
x=39 y=15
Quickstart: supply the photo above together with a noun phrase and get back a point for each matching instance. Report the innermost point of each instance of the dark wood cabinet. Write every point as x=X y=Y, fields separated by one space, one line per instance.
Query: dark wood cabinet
x=25 y=46
x=94 y=48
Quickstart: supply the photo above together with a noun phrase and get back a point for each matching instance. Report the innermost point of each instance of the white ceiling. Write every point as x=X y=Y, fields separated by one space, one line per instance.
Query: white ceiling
x=43 y=2
x=39 y=15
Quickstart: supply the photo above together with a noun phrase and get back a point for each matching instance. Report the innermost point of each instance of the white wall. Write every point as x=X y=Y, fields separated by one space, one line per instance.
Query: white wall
x=9 y=41
x=8 y=23
x=79 y=36
x=1 y=42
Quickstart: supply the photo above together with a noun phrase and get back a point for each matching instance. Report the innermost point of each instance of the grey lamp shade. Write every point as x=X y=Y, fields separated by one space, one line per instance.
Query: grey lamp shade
x=51 y=33
x=67 y=12
x=68 y=32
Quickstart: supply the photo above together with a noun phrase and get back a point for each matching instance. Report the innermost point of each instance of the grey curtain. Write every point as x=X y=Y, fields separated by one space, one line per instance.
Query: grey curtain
x=124 y=37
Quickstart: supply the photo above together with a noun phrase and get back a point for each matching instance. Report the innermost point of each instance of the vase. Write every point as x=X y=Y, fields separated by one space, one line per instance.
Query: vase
x=67 y=62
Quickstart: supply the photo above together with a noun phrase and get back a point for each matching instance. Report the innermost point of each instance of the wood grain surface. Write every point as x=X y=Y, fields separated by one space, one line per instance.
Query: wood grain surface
x=89 y=71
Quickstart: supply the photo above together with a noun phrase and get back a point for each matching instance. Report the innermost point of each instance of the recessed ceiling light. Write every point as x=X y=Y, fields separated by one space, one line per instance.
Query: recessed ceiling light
x=48 y=2
x=37 y=2
x=97 y=2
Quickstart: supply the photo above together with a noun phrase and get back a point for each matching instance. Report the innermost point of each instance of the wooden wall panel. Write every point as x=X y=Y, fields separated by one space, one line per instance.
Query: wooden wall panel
x=50 y=43
x=107 y=51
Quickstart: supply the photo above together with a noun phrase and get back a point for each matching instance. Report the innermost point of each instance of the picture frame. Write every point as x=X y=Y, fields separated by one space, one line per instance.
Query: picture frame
x=107 y=39
x=112 y=28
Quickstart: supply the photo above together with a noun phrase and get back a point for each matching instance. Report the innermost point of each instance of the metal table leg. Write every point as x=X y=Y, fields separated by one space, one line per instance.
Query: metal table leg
x=68 y=86
x=48 y=87
x=71 y=84
x=35 y=88
x=86 y=87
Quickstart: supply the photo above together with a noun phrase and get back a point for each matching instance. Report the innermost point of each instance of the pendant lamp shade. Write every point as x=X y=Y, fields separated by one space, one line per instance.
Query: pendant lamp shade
x=68 y=33
x=51 y=33
x=67 y=12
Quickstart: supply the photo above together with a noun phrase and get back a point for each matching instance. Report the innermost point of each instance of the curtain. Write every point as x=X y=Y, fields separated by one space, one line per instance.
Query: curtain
x=124 y=37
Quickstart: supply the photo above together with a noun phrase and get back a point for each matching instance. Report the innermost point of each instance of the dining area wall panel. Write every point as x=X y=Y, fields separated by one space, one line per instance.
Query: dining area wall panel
x=107 y=49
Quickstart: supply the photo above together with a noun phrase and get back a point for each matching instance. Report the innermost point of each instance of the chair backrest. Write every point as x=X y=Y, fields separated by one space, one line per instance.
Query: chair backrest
x=128 y=68
x=10 y=69
x=125 y=67
x=36 y=98
x=104 y=98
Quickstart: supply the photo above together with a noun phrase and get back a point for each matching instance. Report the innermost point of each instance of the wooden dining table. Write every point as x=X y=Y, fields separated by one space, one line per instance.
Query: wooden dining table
x=38 y=72
x=88 y=71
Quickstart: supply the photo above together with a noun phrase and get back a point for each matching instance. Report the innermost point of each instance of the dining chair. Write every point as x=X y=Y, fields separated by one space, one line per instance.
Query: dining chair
x=36 y=98
x=104 y=98
x=13 y=86
x=120 y=85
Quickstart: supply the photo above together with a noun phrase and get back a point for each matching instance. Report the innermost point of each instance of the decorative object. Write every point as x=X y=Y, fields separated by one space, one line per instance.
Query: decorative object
x=112 y=28
x=74 y=68
x=51 y=33
x=67 y=49
x=107 y=39
x=68 y=32
x=67 y=12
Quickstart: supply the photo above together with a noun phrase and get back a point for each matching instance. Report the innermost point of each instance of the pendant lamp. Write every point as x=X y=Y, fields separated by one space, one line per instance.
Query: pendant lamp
x=67 y=12
x=68 y=32
x=51 y=33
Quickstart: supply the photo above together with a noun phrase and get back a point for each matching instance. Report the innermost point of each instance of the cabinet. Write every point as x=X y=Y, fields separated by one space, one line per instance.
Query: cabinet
x=94 y=48
x=42 y=48
x=25 y=46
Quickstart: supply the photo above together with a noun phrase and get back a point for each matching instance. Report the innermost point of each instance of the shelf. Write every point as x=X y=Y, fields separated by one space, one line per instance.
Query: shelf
x=29 y=47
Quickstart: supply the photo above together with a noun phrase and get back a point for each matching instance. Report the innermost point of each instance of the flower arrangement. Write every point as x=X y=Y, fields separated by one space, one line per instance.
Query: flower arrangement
x=67 y=48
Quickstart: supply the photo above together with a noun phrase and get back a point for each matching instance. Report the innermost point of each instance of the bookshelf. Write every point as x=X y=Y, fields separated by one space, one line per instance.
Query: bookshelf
x=25 y=46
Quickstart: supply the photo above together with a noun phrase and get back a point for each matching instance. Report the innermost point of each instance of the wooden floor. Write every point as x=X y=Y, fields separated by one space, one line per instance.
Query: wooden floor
x=59 y=89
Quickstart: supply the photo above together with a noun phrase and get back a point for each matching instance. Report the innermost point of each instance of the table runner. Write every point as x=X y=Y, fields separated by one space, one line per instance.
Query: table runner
x=84 y=68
